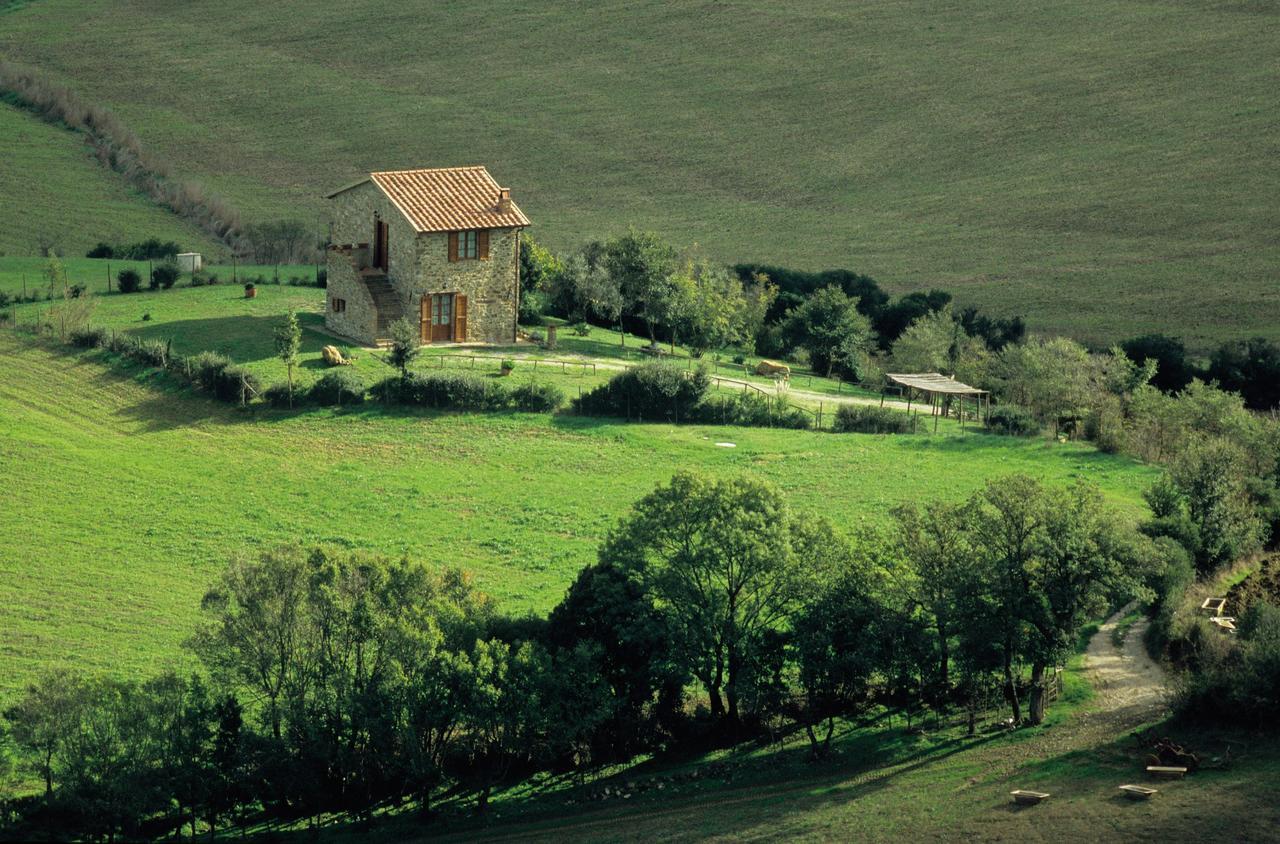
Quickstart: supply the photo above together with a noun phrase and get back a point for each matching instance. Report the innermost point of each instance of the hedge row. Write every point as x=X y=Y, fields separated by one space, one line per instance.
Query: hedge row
x=211 y=372
x=464 y=391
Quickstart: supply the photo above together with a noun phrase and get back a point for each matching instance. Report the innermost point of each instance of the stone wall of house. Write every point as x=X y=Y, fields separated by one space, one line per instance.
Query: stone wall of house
x=491 y=286
x=352 y=213
x=419 y=264
x=359 y=320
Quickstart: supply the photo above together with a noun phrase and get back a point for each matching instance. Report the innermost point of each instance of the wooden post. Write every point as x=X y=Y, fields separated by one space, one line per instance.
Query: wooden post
x=234 y=280
x=108 y=276
x=936 y=402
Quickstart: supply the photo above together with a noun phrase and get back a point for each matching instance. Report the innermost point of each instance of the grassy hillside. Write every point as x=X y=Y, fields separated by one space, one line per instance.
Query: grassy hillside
x=55 y=192
x=124 y=497
x=1104 y=169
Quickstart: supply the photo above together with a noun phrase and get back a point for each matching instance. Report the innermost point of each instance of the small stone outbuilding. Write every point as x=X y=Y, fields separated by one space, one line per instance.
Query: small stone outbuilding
x=440 y=247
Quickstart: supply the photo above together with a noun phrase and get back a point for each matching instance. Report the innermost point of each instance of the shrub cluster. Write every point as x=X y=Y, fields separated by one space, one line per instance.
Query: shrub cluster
x=651 y=391
x=337 y=387
x=216 y=373
x=89 y=337
x=866 y=419
x=1235 y=680
x=164 y=276
x=750 y=408
x=128 y=281
x=151 y=249
x=1013 y=420
x=464 y=391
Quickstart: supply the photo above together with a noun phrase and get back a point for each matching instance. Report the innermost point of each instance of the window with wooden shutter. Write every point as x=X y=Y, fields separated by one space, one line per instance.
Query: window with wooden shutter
x=453 y=246
x=459 y=318
x=483 y=239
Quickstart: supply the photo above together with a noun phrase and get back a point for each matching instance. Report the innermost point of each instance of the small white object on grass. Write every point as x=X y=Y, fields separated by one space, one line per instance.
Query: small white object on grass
x=727 y=445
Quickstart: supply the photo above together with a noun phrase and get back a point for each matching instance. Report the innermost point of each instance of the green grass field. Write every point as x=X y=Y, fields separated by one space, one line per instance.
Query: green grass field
x=124 y=495
x=54 y=191
x=1104 y=170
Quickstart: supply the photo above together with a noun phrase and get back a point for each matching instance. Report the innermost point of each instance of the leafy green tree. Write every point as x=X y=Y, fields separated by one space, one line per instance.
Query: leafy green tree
x=253 y=631
x=839 y=649
x=1211 y=474
x=643 y=266
x=717 y=309
x=288 y=341
x=1045 y=560
x=405 y=346
x=829 y=327
x=935 y=541
x=720 y=558
x=44 y=717
x=609 y=609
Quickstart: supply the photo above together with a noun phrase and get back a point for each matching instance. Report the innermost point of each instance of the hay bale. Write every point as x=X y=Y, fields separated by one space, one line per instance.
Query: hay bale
x=774 y=369
x=333 y=357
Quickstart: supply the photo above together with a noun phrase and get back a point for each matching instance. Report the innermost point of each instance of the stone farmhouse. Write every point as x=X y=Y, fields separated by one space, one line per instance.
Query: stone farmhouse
x=440 y=247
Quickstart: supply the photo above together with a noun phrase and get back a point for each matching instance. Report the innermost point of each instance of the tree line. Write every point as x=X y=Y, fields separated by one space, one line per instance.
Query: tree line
x=331 y=681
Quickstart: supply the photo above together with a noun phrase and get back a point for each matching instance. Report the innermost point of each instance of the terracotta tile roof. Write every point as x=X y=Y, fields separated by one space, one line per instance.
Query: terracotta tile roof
x=445 y=198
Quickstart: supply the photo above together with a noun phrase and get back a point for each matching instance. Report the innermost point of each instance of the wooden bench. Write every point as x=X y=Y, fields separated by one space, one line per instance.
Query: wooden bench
x=1028 y=798
x=1137 y=792
x=1167 y=772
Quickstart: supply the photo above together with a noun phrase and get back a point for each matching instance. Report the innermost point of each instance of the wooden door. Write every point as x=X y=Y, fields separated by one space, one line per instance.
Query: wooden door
x=380 y=244
x=438 y=317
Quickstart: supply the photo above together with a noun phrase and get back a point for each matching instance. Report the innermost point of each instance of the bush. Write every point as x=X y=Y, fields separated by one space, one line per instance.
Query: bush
x=1235 y=680
x=1012 y=420
x=456 y=391
x=164 y=276
x=582 y=329
x=128 y=281
x=4 y=299
x=751 y=409
x=650 y=391
x=146 y=317
x=337 y=386
x=215 y=373
x=149 y=352
x=866 y=419
x=199 y=279
x=277 y=395
x=102 y=250
x=537 y=398
x=507 y=364
x=89 y=337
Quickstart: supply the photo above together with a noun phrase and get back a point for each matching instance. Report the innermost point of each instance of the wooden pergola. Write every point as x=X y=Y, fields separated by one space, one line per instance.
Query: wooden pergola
x=936 y=387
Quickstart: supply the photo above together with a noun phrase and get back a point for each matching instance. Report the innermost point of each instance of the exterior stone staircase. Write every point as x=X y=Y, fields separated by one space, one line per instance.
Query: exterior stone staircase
x=385 y=301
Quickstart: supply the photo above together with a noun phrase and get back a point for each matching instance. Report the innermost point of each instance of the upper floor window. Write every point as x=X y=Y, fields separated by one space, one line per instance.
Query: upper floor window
x=469 y=245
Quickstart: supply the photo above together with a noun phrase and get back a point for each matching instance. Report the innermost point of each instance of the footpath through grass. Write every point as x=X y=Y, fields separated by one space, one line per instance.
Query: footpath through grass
x=125 y=495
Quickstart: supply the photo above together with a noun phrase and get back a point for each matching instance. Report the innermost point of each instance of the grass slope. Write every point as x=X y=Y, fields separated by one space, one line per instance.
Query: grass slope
x=124 y=497
x=1105 y=170
x=53 y=188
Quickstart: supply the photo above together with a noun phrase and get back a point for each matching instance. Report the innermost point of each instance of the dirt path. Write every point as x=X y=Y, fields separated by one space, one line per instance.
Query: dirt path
x=1129 y=683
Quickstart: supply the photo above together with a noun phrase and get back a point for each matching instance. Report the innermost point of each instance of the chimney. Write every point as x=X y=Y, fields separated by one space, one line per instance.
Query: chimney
x=504 y=200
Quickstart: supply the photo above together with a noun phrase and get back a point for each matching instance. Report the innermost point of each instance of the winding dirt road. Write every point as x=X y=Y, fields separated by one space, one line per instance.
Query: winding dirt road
x=1129 y=683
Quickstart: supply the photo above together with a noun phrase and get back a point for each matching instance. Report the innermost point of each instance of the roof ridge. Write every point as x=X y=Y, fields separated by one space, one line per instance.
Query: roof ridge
x=427 y=170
